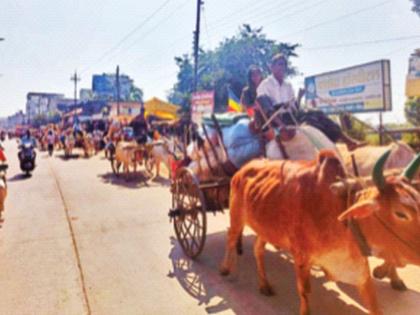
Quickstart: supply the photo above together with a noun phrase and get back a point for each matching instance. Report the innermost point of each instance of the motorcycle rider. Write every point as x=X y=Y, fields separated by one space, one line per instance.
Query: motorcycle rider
x=27 y=137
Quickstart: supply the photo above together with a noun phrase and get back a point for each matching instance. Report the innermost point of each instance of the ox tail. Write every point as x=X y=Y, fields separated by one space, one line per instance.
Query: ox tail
x=237 y=222
x=237 y=214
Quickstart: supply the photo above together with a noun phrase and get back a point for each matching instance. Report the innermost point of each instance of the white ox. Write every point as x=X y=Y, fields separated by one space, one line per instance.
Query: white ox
x=305 y=145
x=365 y=157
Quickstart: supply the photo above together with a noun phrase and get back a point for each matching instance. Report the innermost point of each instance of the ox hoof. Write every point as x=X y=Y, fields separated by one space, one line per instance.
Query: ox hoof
x=267 y=290
x=398 y=285
x=380 y=273
x=224 y=271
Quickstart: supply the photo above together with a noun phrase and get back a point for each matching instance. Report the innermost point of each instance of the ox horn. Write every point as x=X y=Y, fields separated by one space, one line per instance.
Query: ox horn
x=412 y=168
x=378 y=170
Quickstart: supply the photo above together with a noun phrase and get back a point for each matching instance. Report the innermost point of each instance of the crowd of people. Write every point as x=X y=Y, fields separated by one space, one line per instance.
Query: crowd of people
x=270 y=102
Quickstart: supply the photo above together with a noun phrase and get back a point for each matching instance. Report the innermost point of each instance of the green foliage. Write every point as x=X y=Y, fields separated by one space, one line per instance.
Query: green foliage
x=412 y=110
x=354 y=127
x=412 y=139
x=372 y=139
x=227 y=65
x=416 y=6
x=136 y=94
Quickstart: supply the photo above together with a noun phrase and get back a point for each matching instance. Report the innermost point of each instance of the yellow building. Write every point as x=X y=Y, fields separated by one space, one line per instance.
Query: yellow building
x=412 y=88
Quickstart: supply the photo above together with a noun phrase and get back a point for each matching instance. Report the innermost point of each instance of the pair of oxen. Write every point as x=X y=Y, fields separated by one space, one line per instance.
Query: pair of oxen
x=312 y=206
x=84 y=140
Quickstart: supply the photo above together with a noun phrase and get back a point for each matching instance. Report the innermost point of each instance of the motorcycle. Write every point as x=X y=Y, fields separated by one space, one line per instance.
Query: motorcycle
x=27 y=157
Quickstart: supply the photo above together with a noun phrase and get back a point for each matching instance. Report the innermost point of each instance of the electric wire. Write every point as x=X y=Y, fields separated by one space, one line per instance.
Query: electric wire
x=129 y=34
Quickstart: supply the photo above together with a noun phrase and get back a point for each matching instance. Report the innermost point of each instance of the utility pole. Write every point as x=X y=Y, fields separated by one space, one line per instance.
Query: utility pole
x=197 y=43
x=118 y=90
x=75 y=79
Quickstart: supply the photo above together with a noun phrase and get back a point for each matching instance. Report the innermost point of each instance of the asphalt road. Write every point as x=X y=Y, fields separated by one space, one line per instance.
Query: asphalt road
x=76 y=240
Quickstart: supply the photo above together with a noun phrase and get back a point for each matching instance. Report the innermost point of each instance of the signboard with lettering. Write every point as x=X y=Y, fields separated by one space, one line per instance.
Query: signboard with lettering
x=202 y=103
x=362 y=88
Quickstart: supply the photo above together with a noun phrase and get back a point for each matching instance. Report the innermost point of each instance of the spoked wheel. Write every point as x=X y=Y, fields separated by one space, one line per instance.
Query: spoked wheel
x=115 y=165
x=189 y=213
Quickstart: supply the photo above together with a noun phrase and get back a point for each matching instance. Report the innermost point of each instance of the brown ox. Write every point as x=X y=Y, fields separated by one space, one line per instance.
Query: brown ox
x=125 y=155
x=289 y=204
x=365 y=158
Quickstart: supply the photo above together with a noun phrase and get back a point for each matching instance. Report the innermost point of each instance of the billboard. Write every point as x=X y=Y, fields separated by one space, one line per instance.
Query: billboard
x=362 y=88
x=202 y=103
x=413 y=78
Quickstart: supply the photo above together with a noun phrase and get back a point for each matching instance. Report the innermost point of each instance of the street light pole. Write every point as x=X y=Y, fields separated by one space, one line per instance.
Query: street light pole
x=118 y=89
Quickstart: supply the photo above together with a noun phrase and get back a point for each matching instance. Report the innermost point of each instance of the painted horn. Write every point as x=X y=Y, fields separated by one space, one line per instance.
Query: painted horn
x=412 y=168
x=378 y=170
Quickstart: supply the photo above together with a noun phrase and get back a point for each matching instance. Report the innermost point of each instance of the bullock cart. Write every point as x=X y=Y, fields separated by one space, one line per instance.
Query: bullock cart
x=192 y=199
x=142 y=154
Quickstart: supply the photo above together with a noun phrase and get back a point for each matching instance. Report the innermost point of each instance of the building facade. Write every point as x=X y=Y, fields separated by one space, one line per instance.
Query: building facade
x=125 y=109
x=104 y=87
x=42 y=104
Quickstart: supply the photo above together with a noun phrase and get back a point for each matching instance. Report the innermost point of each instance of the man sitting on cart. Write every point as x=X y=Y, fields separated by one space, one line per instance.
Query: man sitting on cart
x=274 y=93
x=140 y=130
x=77 y=132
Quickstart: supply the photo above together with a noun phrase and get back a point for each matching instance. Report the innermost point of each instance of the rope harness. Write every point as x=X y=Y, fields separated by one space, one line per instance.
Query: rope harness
x=360 y=237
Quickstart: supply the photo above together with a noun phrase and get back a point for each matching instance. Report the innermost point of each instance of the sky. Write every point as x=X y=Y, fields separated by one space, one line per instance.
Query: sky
x=47 y=40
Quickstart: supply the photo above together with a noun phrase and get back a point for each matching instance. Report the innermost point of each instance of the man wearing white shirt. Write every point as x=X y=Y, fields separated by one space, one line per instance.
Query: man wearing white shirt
x=282 y=96
x=279 y=92
x=274 y=86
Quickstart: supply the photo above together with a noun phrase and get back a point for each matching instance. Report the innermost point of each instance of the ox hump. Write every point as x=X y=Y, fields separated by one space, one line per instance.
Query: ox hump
x=329 y=166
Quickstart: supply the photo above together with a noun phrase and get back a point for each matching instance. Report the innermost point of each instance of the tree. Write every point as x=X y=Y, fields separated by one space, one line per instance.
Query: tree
x=416 y=6
x=412 y=110
x=227 y=65
x=136 y=94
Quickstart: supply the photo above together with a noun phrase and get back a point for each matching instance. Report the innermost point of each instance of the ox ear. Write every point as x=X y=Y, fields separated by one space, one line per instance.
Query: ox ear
x=359 y=210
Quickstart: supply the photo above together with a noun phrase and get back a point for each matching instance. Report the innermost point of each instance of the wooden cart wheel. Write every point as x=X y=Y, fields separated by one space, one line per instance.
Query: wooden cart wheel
x=190 y=222
x=115 y=165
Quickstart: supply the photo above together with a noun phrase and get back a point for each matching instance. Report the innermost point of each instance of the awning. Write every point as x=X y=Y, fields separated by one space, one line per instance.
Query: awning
x=161 y=109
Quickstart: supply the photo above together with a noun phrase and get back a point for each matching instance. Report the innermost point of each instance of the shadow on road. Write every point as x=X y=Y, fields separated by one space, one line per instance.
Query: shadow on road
x=161 y=181
x=19 y=177
x=68 y=157
x=133 y=180
x=239 y=292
